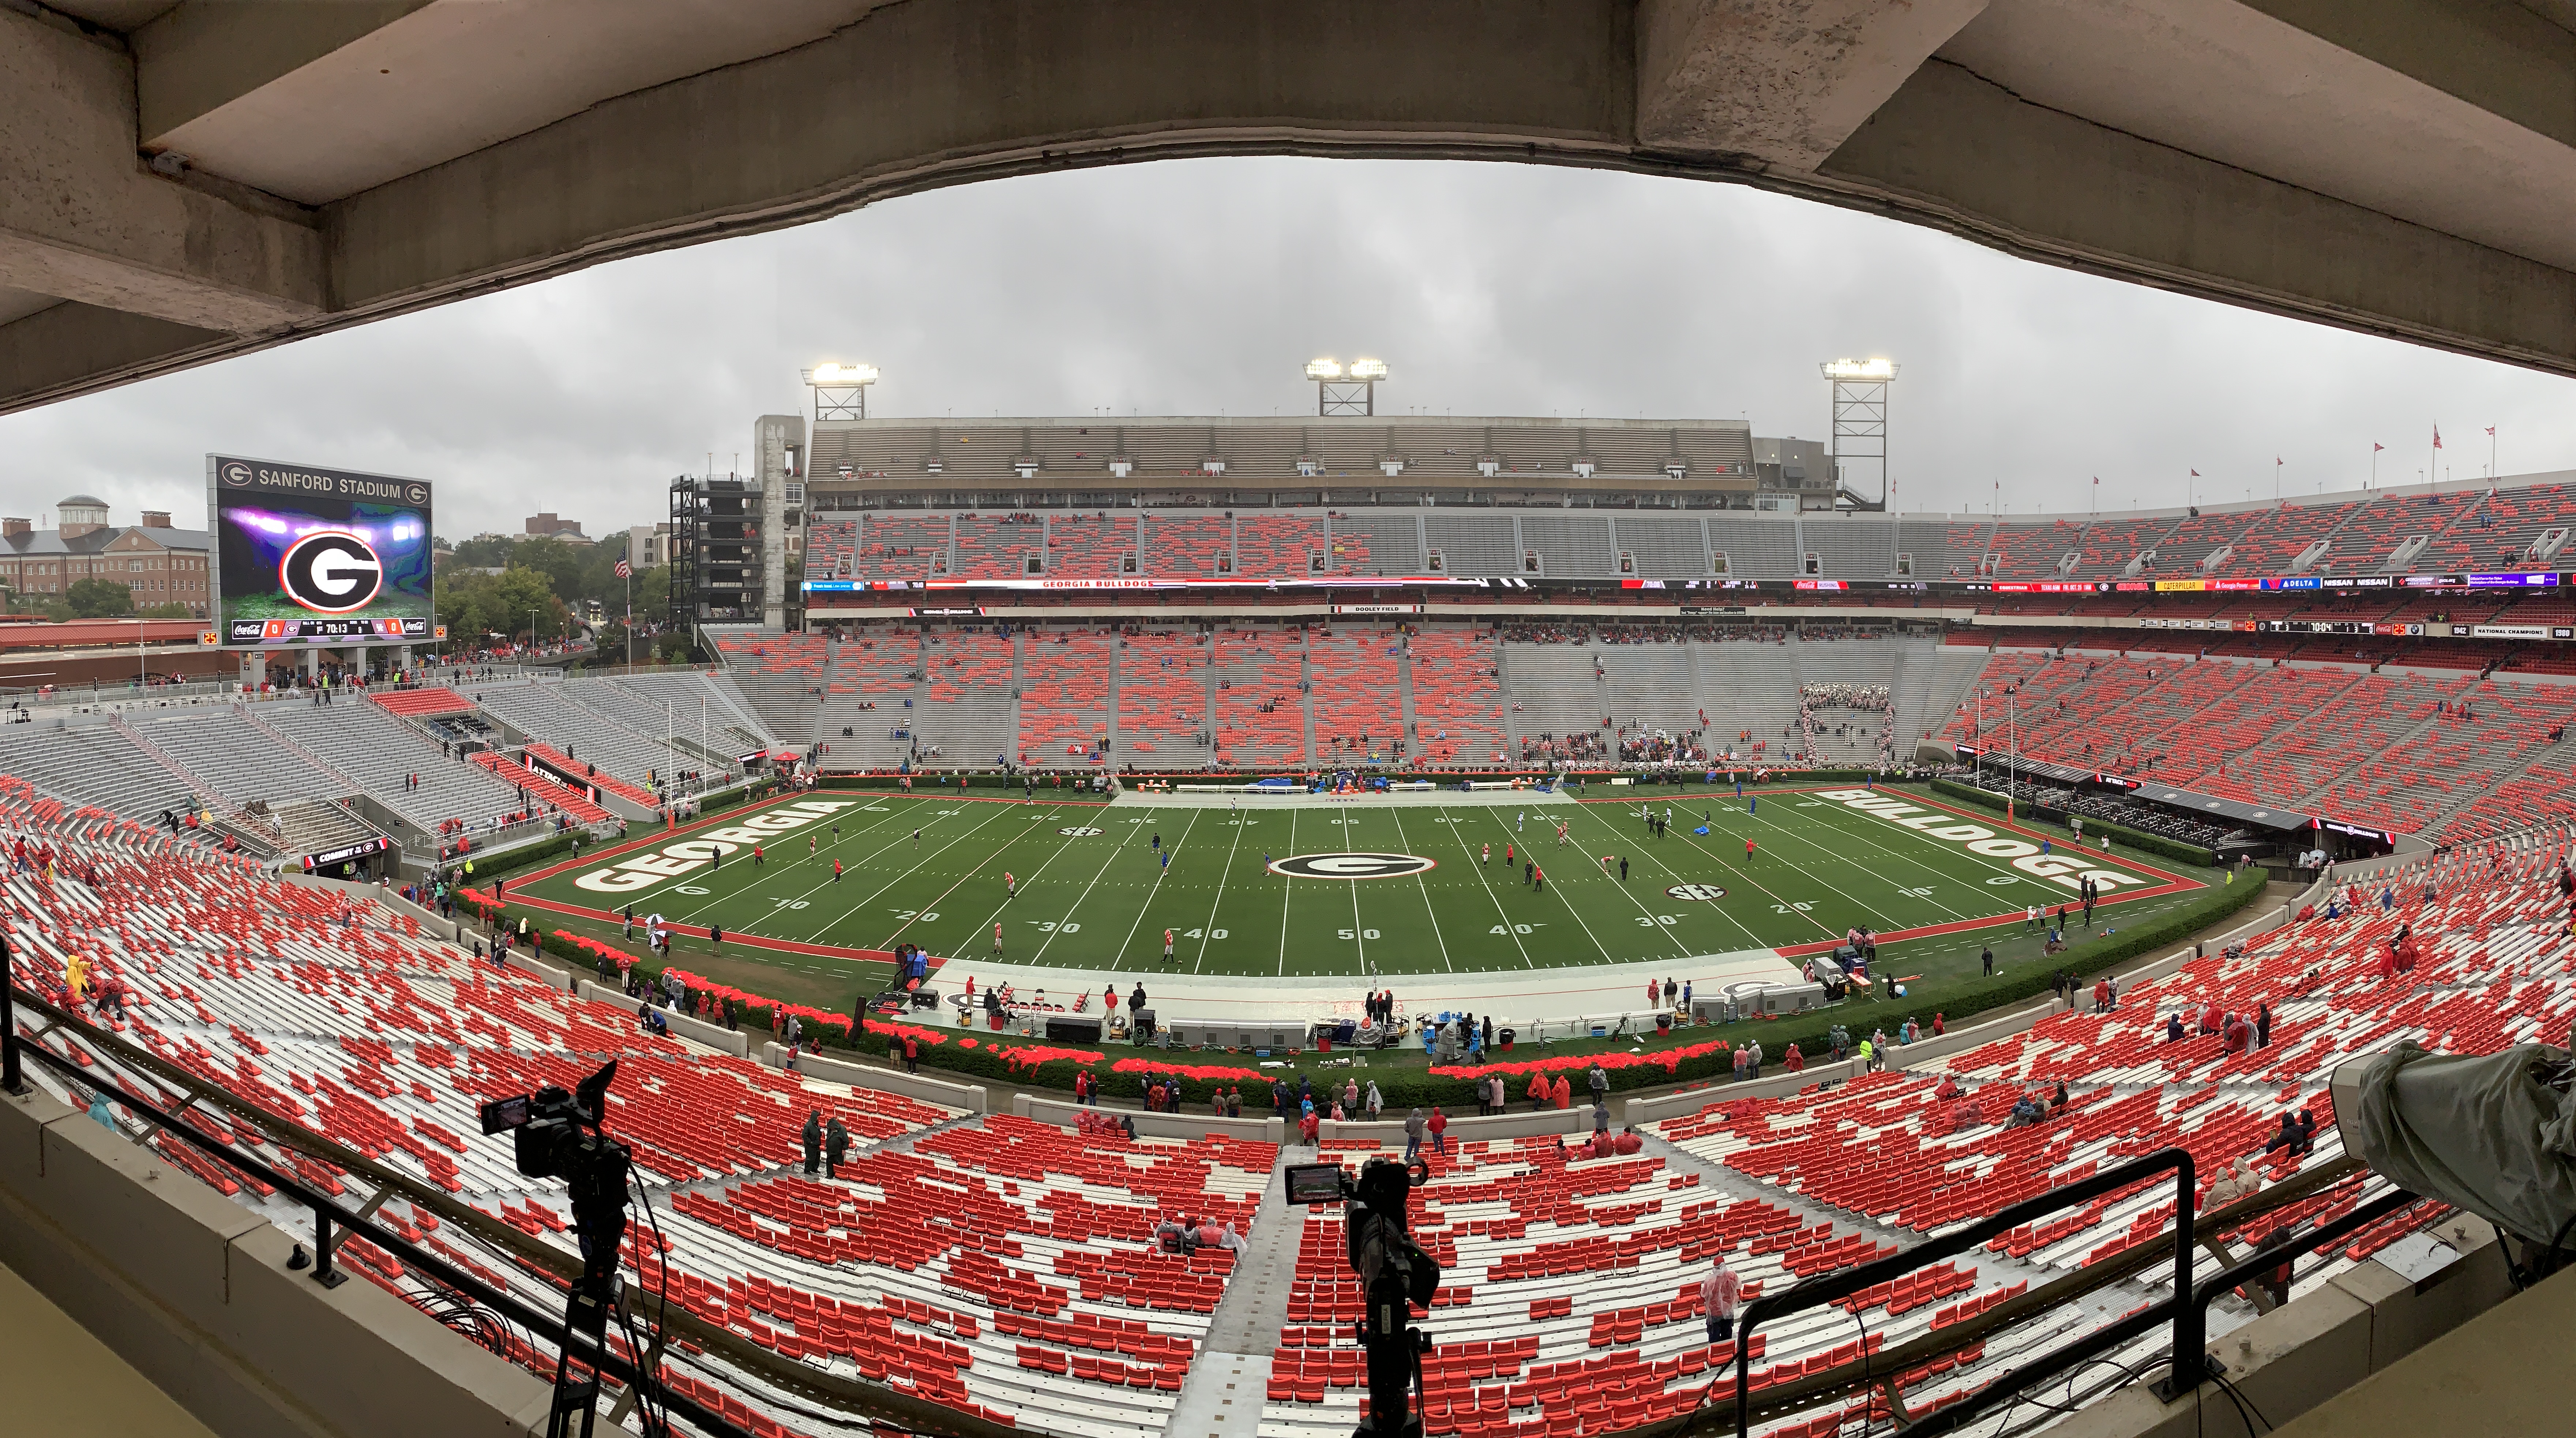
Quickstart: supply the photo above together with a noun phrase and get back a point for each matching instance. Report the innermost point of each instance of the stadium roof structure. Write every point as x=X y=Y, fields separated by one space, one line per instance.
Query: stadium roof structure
x=2223 y=807
x=181 y=187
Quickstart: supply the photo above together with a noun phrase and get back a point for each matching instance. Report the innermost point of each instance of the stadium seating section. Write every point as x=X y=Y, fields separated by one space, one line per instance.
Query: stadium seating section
x=1003 y=1266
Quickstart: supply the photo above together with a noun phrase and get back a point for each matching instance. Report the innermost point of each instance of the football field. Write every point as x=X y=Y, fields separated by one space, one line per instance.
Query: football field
x=1319 y=888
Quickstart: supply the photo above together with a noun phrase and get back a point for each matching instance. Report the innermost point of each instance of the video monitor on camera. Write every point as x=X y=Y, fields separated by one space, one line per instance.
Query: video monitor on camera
x=1315 y=1183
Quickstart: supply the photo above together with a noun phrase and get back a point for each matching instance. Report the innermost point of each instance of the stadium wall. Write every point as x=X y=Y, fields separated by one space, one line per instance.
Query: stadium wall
x=971 y=1097
x=193 y=1291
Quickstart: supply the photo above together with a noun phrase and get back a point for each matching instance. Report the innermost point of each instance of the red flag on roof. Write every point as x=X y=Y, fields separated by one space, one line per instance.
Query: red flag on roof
x=2437 y=436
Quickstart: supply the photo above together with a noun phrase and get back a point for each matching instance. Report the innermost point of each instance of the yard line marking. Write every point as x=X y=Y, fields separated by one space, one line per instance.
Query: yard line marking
x=1601 y=871
x=1290 y=883
x=1675 y=874
x=1114 y=851
x=1723 y=863
x=1426 y=896
x=852 y=912
x=1210 y=926
x=820 y=856
x=1848 y=862
x=736 y=893
x=986 y=862
x=1160 y=871
x=1497 y=812
x=1499 y=911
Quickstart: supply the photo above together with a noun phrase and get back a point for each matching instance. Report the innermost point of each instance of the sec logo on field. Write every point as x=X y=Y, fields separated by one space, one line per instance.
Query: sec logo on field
x=1352 y=866
x=1078 y=832
x=1695 y=891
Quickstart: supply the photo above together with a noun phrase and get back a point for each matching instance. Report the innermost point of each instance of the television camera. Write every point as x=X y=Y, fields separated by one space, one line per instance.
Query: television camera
x=556 y=1135
x=1396 y=1275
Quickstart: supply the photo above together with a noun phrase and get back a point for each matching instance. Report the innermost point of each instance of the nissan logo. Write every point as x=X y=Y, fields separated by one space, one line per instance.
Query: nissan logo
x=235 y=473
x=1352 y=866
x=330 y=571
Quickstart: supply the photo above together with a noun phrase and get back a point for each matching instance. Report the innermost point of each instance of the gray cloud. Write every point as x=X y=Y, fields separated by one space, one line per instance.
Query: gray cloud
x=1200 y=287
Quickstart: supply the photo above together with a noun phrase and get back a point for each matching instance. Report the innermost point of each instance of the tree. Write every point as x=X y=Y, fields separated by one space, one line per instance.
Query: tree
x=99 y=599
x=167 y=611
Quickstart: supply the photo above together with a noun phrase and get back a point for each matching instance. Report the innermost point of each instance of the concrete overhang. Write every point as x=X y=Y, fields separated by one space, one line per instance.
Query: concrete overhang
x=179 y=183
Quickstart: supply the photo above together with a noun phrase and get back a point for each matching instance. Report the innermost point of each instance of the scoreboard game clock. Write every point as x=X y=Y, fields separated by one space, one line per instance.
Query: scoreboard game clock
x=306 y=555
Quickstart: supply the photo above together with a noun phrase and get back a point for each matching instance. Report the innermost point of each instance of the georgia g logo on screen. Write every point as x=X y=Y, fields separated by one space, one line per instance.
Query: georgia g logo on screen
x=330 y=571
x=236 y=473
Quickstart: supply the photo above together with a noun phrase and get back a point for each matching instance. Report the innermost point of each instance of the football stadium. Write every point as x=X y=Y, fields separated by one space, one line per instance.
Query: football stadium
x=1502 y=926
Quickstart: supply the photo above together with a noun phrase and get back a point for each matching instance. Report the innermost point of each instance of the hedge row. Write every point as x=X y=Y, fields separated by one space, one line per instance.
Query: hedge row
x=980 y=1054
x=2138 y=839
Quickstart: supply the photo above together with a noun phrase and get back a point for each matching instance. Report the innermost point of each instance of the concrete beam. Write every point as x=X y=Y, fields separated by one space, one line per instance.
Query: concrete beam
x=205 y=54
x=1958 y=153
x=81 y=218
x=1828 y=99
x=1778 y=82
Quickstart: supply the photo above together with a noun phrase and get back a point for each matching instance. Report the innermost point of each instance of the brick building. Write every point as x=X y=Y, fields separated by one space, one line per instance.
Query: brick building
x=159 y=563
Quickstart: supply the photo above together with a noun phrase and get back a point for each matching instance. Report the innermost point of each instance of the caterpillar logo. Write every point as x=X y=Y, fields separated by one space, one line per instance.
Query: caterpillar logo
x=330 y=571
x=1352 y=866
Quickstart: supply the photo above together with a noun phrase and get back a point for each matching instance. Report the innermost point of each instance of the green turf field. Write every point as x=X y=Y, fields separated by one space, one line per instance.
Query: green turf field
x=1094 y=890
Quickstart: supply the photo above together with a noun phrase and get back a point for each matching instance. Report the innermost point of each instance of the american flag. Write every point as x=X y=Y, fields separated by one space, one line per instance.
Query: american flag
x=625 y=570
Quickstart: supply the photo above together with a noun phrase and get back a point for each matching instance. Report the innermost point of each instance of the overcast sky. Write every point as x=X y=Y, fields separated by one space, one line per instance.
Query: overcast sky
x=1202 y=286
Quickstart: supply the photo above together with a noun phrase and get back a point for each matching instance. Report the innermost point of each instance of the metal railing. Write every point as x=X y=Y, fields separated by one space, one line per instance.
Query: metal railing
x=2188 y=1319
x=2194 y=1366
x=864 y=1403
x=327 y=1213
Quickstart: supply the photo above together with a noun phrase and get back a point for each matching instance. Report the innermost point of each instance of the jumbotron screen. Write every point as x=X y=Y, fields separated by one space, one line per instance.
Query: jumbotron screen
x=305 y=555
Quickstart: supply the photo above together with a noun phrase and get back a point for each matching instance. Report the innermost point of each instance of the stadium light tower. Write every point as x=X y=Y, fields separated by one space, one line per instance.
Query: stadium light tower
x=1345 y=391
x=840 y=390
x=1860 y=423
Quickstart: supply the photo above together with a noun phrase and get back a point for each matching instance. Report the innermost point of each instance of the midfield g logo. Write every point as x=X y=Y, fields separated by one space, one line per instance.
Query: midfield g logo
x=1352 y=866
x=330 y=571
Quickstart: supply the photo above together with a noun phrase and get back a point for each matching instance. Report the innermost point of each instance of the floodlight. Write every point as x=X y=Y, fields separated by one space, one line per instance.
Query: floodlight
x=1323 y=369
x=1368 y=369
x=1860 y=369
x=830 y=373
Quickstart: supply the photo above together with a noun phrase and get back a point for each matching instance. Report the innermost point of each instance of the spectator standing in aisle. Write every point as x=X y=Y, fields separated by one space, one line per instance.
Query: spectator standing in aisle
x=813 y=1136
x=1718 y=1295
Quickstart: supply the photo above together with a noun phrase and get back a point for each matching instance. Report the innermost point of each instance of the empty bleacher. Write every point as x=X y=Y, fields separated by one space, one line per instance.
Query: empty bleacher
x=966 y=716
x=1458 y=697
x=1090 y=546
x=1260 y=698
x=1664 y=547
x=1377 y=543
x=1163 y=719
x=1356 y=705
x=1188 y=546
x=1278 y=546
x=380 y=752
x=1064 y=706
x=1471 y=543
x=870 y=696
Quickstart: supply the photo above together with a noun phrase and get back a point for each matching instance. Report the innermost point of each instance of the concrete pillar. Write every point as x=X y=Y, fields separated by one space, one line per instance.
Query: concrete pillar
x=772 y=436
x=309 y=662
